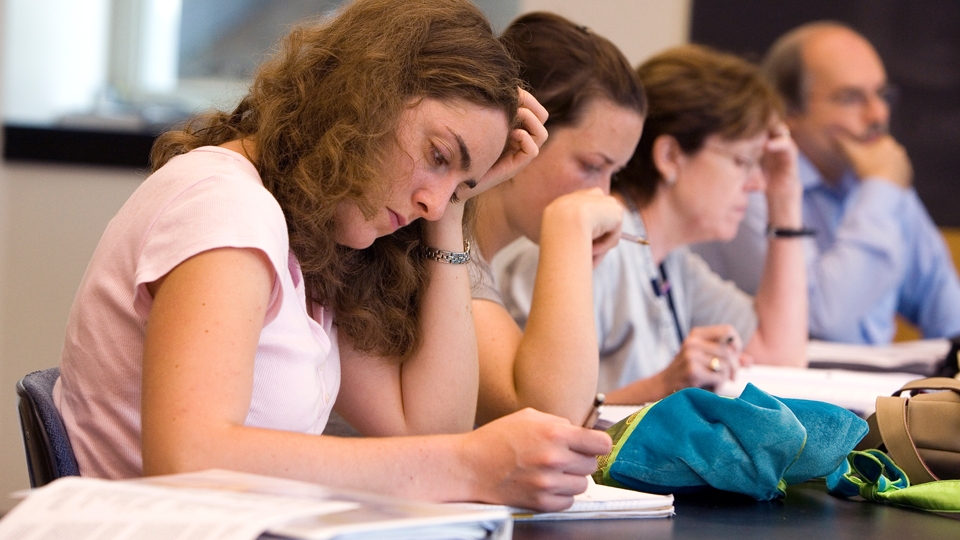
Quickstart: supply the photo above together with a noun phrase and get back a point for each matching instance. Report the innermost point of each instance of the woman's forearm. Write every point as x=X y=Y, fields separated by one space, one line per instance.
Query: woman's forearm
x=439 y=384
x=557 y=360
x=781 y=299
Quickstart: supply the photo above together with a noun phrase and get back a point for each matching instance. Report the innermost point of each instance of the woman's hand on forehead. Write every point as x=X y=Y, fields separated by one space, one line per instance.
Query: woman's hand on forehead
x=523 y=144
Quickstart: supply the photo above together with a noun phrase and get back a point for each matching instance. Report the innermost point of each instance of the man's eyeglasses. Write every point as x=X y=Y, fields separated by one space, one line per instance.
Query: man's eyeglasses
x=857 y=97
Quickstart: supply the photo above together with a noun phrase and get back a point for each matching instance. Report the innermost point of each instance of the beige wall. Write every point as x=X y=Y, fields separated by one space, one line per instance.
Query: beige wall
x=51 y=218
x=639 y=27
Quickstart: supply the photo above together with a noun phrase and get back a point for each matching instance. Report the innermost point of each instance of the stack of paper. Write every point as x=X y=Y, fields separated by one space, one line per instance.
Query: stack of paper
x=853 y=390
x=922 y=357
x=598 y=502
x=222 y=505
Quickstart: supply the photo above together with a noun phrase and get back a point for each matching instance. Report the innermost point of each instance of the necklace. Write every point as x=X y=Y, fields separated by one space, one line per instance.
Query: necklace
x=671 y=330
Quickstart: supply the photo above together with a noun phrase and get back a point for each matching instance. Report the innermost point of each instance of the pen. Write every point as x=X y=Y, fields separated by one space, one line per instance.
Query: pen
x=634 y=238
x=594 y=411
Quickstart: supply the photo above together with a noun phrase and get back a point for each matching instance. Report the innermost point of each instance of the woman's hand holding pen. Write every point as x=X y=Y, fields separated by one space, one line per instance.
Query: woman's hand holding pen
x=707 y=357
x=533 y=460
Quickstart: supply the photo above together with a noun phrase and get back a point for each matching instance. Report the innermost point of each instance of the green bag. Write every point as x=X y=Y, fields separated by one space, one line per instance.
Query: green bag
x=872 y=475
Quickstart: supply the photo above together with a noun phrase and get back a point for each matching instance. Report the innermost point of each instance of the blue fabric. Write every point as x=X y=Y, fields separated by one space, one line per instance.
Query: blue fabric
x=877 y=252
x=39 y=386
x=754 y=444
x=832 y=432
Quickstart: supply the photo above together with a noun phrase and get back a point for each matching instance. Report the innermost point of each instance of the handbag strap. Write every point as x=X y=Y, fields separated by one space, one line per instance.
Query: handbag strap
x=892 y=424
x=931 y=383
x=875 y=477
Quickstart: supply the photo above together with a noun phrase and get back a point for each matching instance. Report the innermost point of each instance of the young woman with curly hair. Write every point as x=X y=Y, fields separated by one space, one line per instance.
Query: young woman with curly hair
x=299 y=254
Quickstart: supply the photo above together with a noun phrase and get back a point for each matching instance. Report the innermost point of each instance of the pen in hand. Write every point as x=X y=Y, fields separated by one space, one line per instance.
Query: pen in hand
x=594 y=414
x=634 y=238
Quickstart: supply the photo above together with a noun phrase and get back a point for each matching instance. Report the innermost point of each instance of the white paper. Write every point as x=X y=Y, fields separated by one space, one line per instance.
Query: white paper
x=598 y=502
x=919 y=356
x=87 y=508
x=221 y=505
x=615 y=413
x=853 y=390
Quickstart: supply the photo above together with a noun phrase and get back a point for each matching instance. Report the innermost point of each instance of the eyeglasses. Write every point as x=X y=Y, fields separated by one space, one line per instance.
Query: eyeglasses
x=745 y=163
x=858 y=98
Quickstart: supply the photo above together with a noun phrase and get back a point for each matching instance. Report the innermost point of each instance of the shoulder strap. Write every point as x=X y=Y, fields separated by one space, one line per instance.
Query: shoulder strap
x=931 y=383
x=872 y=439
x=892 y=424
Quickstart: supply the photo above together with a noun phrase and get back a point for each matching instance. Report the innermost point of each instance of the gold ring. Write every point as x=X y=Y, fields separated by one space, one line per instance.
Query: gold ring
x=715 y=364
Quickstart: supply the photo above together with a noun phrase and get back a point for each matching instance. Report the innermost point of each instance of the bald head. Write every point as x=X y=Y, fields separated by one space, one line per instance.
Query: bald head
x=833 y=82
x=811 y=48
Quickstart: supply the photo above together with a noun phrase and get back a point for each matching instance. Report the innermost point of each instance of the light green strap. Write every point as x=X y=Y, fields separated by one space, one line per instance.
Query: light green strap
x=939 y=496
x=875 y=477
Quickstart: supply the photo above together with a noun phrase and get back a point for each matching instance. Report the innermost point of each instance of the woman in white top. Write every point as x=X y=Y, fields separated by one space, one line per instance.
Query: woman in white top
x=275 y=265
x=561 y=201
x=714 y=134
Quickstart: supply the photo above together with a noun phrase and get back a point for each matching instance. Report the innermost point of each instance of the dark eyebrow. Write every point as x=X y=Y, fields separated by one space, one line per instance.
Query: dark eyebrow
x=464 y=153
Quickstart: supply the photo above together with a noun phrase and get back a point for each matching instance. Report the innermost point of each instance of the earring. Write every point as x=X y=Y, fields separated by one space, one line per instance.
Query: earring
x=670 y=179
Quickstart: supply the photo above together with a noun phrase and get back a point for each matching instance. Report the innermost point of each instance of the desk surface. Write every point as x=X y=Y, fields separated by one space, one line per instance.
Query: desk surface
x=807 y=513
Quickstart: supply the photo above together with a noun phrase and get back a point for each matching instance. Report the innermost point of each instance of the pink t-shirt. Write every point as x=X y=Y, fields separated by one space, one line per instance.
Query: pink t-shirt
x=205 y=199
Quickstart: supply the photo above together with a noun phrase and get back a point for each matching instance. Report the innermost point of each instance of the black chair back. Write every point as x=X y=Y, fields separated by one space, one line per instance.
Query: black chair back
x=45 y=440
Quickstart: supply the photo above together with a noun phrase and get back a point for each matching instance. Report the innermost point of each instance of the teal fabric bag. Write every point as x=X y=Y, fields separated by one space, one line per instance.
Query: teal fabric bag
x=755 y=444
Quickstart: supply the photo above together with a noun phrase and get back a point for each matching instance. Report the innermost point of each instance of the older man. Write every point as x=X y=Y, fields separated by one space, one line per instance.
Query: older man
x=875 y=252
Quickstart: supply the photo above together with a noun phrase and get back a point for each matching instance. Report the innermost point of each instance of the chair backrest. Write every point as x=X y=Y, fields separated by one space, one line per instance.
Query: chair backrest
x=49 y=454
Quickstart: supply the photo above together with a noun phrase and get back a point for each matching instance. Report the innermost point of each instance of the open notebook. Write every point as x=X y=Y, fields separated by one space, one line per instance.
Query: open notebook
x=598 y=502
x=226 y=505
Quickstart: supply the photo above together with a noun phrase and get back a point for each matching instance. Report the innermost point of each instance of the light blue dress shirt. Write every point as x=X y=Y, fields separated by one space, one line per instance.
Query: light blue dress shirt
x=876 y=253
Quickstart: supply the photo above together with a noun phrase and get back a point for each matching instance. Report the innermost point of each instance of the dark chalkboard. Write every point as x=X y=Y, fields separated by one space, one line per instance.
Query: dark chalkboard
x=919 y=41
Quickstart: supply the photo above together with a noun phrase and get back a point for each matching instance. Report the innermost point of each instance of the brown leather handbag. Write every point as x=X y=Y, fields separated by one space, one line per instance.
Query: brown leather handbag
x=921 y=432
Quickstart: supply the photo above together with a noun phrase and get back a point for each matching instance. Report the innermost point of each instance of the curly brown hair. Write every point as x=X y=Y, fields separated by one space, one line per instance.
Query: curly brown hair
x=694 y=92
x=323 y=113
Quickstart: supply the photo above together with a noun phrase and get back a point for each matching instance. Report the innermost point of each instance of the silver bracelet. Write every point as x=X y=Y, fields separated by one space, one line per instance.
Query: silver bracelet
x=444 y=256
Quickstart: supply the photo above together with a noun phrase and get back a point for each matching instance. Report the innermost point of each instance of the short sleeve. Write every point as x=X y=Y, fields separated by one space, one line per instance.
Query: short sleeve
x=216 y=212
x=483 y=284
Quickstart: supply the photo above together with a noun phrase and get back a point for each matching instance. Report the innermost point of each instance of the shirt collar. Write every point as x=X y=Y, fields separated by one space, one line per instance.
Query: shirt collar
x=811 y=178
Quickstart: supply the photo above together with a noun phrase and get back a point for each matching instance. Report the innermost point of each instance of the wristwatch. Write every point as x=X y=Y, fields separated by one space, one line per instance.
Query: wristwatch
x=783 y=232
x=449 y=257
